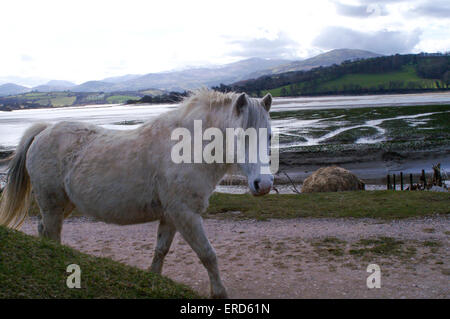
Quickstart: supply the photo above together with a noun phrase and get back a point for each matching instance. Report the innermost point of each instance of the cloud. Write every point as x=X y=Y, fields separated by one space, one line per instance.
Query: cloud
x=360 y=11
x=384 y=1
x=282 y=47
x=26 y=58
x=435 y=9
x=385 y=42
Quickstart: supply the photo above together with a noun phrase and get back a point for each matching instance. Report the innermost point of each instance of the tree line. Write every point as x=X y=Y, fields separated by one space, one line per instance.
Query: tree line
x=171 y=97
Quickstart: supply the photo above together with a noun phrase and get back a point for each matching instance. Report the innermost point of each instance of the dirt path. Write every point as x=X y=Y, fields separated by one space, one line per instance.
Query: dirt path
x=299 y=258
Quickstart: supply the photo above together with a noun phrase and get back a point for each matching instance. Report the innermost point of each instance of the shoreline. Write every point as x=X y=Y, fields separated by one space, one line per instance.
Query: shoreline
x=307 y=99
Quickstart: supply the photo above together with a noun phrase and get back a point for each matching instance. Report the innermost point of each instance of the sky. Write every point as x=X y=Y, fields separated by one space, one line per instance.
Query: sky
x=91 y=40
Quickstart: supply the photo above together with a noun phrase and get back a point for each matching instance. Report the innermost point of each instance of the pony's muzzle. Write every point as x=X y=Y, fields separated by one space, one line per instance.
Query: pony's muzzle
x=261 y=186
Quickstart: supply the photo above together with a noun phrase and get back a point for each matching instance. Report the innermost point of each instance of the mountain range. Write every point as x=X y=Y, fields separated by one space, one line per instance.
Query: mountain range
x=195 y=77
x=11 y=88
x=325 y=59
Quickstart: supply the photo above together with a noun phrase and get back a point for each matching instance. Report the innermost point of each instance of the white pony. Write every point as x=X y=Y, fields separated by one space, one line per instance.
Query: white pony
x=128 y=177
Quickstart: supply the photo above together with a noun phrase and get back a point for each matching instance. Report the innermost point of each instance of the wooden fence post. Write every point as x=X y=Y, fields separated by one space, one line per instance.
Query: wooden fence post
x=388 y=182
x=424 y=179
x=393 y=177
x=401 y=180
x=410 y=182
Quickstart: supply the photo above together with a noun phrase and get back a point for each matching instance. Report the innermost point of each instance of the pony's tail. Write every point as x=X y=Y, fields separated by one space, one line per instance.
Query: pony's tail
x=16 y=196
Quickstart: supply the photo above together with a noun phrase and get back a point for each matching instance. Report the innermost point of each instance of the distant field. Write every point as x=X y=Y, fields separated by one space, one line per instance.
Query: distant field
x=63 y=100
x=60 y=99
x=152 y=92
x=53 y=99
x=406 y=78
x=116 y=99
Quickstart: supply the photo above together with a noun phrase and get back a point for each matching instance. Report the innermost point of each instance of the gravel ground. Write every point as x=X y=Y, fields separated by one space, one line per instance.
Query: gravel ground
x=296 y=258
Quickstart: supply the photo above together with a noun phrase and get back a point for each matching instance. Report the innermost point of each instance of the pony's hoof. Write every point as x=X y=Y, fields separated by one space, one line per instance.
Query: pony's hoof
x=219 y=295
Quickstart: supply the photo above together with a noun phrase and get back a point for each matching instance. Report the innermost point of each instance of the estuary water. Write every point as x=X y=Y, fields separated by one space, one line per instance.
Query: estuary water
x=123 y=117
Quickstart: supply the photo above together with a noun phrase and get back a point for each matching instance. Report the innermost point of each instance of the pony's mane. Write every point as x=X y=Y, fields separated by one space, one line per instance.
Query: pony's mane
x=207 y=97
x=205 y=104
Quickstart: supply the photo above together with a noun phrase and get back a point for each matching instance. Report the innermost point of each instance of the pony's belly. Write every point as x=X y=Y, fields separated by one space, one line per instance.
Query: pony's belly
x=122 y=211
x=126 y=217
x=119 y=202
x=129 y=220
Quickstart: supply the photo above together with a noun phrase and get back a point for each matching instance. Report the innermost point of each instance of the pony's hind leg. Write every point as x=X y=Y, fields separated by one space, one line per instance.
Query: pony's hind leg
x=52 y=215
x=50 y=225
x=166 y=232
x=190 y=226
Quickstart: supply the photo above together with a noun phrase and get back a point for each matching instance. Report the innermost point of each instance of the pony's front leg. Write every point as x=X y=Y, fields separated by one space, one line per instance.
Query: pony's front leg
x=190 y=226
x=166 y=232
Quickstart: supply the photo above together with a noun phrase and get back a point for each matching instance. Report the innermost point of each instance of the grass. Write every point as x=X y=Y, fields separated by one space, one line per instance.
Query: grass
x=333 y=248
x=117 y=99
x=152 y=92
x=407 y=75
x=36 y=268
x=63 y=100
x=432 y=243
x=364 y=204
x=445 y=272
x=384 y=246
x=329 y=245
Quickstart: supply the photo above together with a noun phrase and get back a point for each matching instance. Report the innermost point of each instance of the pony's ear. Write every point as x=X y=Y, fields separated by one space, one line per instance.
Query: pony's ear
x=240 y=103
x=267 y=101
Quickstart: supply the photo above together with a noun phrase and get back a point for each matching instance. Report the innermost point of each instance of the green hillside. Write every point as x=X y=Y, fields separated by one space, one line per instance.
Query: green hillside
x=405 y=78
x=36 y=268
x=407 y=73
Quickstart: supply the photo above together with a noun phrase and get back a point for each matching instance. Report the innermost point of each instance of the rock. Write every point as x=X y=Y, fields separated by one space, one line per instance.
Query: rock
x=332 y=179
x=438 y=189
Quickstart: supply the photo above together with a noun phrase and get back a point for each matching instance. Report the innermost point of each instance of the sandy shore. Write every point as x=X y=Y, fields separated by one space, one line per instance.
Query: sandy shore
x=285 y=258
